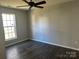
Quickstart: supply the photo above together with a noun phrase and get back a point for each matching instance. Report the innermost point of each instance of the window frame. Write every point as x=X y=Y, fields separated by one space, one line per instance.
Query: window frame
x=15 y=29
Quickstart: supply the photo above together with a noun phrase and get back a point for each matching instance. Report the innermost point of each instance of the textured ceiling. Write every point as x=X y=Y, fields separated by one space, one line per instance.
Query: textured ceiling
x=14 y=3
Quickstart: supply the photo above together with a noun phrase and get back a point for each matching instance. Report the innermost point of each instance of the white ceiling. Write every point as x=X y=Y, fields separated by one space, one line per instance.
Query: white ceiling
x=14 y=3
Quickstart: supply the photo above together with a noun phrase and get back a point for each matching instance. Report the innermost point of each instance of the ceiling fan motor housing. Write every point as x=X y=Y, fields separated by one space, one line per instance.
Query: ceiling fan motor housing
x=31 y=4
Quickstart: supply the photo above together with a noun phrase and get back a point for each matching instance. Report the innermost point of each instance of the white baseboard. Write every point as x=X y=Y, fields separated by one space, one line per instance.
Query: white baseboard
x=58 y=45
x=17 y=42
x=43 y=42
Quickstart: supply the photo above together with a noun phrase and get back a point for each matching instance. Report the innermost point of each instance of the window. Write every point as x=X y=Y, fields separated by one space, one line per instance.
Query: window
x=9 y=26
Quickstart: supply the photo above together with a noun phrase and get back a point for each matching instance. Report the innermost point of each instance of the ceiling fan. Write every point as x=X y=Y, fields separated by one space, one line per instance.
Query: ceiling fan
x=33 y=4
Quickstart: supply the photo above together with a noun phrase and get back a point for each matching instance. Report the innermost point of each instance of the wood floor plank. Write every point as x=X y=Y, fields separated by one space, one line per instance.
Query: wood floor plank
x=37 y=50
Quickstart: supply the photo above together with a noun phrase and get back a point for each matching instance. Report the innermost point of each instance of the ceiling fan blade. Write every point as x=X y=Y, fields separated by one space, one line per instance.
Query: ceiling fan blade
x=26 y=1
x=30 y=0
x=39 y=6
x=39 y=3
x=22 y=6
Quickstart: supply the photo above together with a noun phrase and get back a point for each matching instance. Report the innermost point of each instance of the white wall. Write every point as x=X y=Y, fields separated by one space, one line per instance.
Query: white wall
x=21 y=23
x=2 y=47
x=57 y=24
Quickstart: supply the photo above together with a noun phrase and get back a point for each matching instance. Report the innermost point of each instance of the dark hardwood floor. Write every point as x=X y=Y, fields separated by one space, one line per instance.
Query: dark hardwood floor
x=36 y=50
